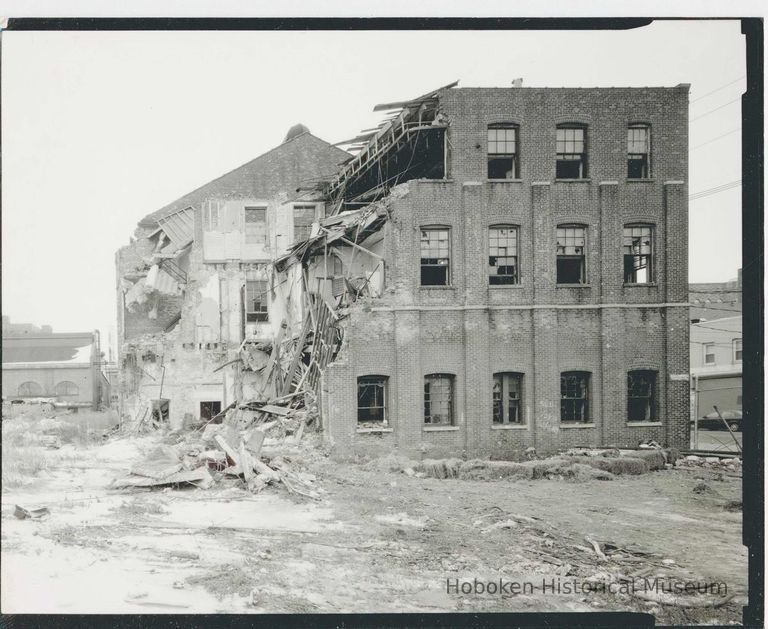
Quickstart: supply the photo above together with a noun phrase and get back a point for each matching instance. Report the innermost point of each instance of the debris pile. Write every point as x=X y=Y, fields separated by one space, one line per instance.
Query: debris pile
x=723 y=464
x=232 y=449
x=576 y=464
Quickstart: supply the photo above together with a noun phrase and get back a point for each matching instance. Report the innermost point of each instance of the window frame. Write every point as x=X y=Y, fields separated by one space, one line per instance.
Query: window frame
x=251 y=238
x=303 y=206
x=504 y=379
x=566 y=256
x=652 y=398
x=33 y=393
x=377 y=380
x=423 y=265
x=514 y=156
x=565 y=157
x=428 y=415
x=586 y=399
x=515 y=276
x=705 y=347
x=262 y=314
x=651 y=266
x=738 y=348
x=646 y=165
x=68 y=392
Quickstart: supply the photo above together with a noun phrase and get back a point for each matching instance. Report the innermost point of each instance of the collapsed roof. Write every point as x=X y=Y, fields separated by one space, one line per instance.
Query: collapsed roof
x=409 y=144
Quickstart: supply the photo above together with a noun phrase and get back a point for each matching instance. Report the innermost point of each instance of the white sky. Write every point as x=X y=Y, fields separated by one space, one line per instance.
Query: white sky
x=101 y=128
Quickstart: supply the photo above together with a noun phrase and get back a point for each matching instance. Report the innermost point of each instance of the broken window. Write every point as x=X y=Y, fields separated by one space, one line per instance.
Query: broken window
x=67 y=389
x=638 y=151
x=255 y=226
x=502 y=255
x=502 y=151
x=303 y=217
x=256 y=301
x=372 y=399
x=574 y=396
x=337 y=276
x=507 y=398
x=638 y=254
x=709 y=353
x=571 y=261
x=30 y=389
x=737 y=352
x=435 y=256
x=571 y=162
x=641 y=396
x=209 y=410
x=438 y=399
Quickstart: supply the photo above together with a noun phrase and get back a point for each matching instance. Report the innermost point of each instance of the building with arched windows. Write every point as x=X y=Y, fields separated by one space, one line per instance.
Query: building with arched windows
x=63 y=368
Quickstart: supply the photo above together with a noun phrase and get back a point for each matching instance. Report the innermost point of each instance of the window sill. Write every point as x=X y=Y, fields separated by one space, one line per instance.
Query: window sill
x=639 y=284
x=639 y=424
x=435 y=180
x=584 y=180
x=367 y=431
x=506 y=286
x=504 y=180
x=575 y=425
x=437 y=287
x=573 y=285
x=640 y=180
x=510 y=427
x=440 y=428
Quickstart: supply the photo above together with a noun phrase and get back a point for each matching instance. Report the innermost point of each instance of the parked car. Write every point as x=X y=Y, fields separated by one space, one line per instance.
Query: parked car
x=711 y=421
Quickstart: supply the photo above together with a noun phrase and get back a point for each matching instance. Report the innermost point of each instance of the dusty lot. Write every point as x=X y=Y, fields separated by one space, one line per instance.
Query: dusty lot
x=377 y=540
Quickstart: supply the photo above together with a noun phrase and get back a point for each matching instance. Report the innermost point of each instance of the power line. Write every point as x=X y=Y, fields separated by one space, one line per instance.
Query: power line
x=710 y=191
x=706 y=113
x=714 y=139
x=718 y=88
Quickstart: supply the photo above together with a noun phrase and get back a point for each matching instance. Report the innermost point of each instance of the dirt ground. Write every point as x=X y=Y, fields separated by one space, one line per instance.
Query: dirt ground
x=378 y=540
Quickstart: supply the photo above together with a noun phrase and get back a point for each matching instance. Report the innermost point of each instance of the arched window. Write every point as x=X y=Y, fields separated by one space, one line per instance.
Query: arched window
x=503 y=158
x=571 y=254
x=639 y=151
x=502 y=255
x=372 y=399
x=574 y=396
x=641 y=395
x=30 y=389
x=67 y=389
x=571 y=162
x=507 y=398
x=638 y=253
x=438 y=399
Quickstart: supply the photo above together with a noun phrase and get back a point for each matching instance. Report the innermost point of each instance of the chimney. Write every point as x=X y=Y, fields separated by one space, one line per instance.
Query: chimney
x=518 y=82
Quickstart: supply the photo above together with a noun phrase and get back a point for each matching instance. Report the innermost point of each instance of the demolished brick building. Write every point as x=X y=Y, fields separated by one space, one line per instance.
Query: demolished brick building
x=496 y=269
x=194 y=284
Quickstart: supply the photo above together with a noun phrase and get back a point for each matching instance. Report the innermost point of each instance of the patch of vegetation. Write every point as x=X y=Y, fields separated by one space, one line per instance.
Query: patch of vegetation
x=225 y=580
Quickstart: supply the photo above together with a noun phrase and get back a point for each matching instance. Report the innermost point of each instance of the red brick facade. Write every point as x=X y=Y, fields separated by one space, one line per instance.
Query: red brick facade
x=473 y=330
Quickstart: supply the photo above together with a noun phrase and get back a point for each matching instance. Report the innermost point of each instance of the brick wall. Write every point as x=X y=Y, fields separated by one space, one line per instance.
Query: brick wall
x=473 y=330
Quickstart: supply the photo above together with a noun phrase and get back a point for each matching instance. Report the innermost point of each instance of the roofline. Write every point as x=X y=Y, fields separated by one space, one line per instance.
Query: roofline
x=152 y=222
x=54 y=335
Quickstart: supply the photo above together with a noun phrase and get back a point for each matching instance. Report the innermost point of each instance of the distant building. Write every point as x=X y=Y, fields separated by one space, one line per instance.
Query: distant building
x=62 y=368
x=23 y=329
x=715 y=300
x=716 y=355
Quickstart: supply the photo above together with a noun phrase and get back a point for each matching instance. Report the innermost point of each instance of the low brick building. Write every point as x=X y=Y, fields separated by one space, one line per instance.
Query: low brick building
x=61 y=368
x=528 y=284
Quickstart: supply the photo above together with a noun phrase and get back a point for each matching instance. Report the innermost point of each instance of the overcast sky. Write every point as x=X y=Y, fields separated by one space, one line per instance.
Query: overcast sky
x=100 y=129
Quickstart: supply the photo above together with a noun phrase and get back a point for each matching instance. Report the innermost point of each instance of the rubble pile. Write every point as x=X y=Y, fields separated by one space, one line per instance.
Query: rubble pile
x=724 y=464
x=231 y=446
